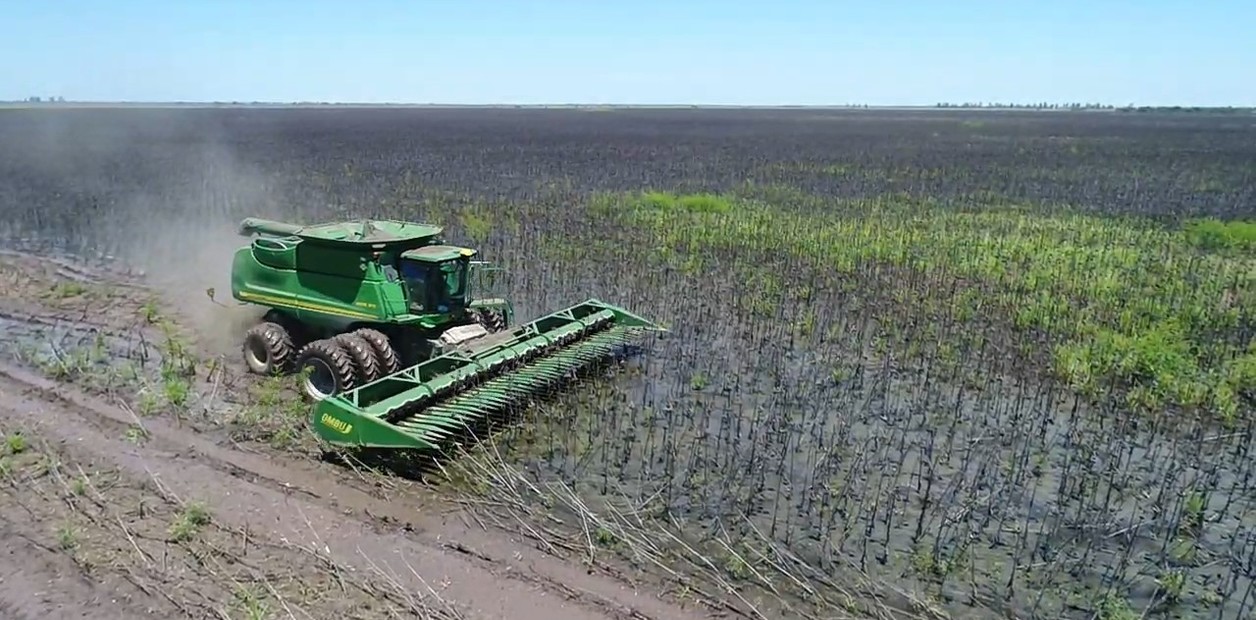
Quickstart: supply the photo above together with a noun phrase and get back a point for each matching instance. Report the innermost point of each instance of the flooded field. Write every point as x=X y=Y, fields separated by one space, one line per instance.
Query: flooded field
x=917 y=364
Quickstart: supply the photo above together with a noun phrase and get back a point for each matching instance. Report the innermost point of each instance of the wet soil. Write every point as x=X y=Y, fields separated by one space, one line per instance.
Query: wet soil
x=116 y=507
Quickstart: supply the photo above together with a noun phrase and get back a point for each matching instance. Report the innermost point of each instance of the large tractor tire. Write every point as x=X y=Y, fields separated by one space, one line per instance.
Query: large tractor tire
x=492 y=320
x=328 y=369
x=298 y=333
x=385 y=354
x=365 y=361
x=268 y=349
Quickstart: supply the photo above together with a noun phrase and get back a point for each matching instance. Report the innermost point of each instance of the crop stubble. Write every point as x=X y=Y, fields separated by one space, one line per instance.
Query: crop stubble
x=139 y=503
x=980 y=355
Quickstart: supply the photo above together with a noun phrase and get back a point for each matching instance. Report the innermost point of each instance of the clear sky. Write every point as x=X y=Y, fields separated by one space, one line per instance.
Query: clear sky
x=767 y=52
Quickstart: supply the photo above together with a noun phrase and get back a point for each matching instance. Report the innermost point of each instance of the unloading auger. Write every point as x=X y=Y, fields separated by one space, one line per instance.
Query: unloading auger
x=382 y=319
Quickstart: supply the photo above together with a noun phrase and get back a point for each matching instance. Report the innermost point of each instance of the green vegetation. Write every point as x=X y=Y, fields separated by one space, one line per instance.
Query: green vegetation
x=1213 y=234
x=1121 y=303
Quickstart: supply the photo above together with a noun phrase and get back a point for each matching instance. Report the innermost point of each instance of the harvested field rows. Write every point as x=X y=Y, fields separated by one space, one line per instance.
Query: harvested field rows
x=968 y=365
x=146 y=499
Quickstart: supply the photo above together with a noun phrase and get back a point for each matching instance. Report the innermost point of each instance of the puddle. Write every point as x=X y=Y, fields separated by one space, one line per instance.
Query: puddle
x=54 y=343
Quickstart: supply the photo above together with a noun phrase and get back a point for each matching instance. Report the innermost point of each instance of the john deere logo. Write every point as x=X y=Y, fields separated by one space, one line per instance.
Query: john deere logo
x=340 y=426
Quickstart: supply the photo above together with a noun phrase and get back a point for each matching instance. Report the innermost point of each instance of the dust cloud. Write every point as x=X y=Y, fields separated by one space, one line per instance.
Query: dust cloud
x=185 y=244
x=161 y=191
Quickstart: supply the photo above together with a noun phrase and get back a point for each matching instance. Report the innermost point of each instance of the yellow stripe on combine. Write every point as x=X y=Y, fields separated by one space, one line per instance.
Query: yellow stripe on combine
x=303 y=305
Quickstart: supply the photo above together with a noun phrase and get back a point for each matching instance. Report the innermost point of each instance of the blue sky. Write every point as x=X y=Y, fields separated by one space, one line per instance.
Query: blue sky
x=807 y=52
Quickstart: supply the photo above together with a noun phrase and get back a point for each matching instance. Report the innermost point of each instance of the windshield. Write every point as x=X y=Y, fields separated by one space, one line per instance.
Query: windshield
x=415 y=274
x=434 y=286
x=455 y=276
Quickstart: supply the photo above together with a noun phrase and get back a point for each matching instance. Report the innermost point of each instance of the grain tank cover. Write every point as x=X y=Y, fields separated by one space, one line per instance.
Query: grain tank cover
x=376 y=233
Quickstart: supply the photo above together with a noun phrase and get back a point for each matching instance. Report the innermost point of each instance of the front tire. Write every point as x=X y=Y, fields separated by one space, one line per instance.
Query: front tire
x=385 y=354
x=492 y=320
x=364 y=359
x=267 y=349
x=328 y=369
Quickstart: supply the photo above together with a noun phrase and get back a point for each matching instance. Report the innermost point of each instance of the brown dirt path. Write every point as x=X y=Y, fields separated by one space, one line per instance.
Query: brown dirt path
x=38 y=582
x=294 y=533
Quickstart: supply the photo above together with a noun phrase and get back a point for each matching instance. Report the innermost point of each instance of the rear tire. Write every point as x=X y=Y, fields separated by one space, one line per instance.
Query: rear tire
x=297 y=331
x=364 y=359
x=385 y=354
x=268 y=349
x=330 y=367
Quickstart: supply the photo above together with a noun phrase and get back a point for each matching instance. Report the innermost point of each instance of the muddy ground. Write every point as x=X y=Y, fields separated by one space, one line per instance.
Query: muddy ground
x=145 y=477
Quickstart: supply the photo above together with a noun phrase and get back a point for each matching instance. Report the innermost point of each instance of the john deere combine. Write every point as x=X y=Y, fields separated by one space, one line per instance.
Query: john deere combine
x=397 y=349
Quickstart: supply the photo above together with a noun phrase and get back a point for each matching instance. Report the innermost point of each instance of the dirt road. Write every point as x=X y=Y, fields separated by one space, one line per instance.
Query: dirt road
x=113 y=507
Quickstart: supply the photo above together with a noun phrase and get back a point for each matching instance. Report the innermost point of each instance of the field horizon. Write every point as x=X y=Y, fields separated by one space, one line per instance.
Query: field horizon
x=940 y=107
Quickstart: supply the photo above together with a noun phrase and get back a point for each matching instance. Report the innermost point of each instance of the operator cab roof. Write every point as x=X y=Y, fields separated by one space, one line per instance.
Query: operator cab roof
x=437 y=253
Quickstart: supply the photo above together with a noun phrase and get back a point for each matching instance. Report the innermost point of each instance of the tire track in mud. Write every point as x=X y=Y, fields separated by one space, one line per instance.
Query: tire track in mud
x=51 y=306
x=498 y=577
x=37 y=582
x=71 y=268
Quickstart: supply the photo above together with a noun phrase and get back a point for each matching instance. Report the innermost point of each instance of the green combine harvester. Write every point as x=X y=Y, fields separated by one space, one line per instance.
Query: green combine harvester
x=383 y=320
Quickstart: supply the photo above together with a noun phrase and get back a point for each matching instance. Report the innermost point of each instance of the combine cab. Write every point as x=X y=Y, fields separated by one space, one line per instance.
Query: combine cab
x=397 y=351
